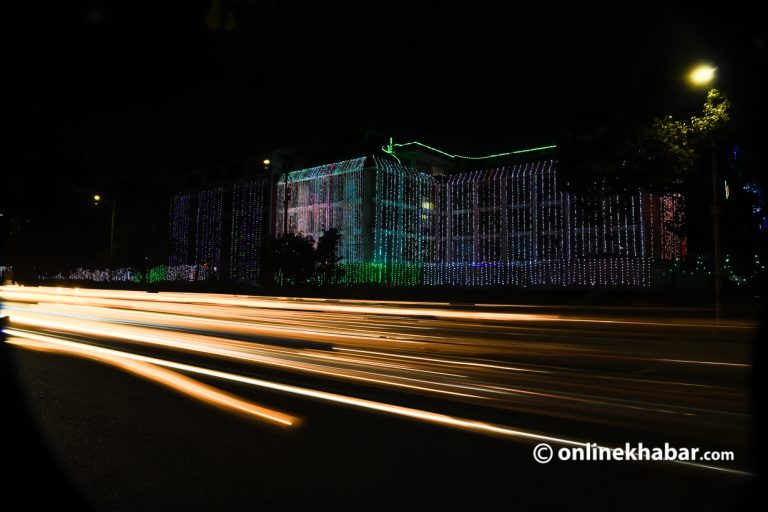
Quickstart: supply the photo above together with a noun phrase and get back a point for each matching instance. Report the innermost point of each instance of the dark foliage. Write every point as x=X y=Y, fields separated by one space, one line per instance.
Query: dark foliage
x=299 y=260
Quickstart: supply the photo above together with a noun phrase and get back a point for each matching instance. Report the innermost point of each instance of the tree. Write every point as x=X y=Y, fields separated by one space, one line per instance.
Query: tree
x=603 y=158
x=681 y=148
x=618 y=157
x=327 y=256
x=682 y=144
x=293 y=258
x=296 y=260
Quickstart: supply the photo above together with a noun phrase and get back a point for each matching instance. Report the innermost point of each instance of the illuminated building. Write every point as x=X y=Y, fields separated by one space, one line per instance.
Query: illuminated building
x=217 y=223
x=507 y=225
x=417 y=216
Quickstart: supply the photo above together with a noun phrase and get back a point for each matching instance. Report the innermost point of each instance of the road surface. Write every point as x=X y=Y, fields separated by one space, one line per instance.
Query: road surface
x=203 y=401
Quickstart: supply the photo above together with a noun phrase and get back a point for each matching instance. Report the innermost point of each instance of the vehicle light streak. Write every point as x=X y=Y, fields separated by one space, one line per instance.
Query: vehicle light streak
x=198 y=344
x=152 y=372
x=440 y=362
x=443 y=419
x=716 y=363
x=120 y=359
x=385 y=365
x=38 y=294
x=650 y=375
x=432 y=359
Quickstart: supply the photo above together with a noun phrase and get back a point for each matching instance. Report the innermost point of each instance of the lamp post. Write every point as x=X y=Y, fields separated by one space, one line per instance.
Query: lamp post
x=703 y=75
x=286 y=194
x=97 y=200
x=273 y=212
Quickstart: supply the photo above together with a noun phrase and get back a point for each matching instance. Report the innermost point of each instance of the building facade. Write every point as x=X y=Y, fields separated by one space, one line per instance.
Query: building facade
x=218 y=223
x=510 y=225
x=415 y=221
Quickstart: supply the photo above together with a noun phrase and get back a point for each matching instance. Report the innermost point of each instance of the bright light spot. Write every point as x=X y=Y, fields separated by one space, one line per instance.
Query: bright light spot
x=266 y=161
x=702 y=74
x=97 y=197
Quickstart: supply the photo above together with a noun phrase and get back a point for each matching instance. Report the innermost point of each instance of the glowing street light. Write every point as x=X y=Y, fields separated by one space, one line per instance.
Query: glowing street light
x=97 y=197
x=702 y=75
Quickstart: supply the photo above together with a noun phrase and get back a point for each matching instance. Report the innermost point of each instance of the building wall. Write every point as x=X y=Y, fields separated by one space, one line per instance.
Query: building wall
x=404 y=223
x=247 y=231
x=217 y=232
x=180 y=229
x=208 y=228
x=327 y=196
x=511 y=225
x=514 y=225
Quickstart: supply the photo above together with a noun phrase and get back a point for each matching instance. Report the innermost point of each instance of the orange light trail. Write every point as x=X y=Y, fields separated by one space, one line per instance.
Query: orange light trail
x=173 y=380
x=124 y=360
x=646 y=373
x=64 y=346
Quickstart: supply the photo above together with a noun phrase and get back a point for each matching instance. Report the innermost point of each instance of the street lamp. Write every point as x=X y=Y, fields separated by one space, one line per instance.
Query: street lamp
x=703 y=75
x=97 y=200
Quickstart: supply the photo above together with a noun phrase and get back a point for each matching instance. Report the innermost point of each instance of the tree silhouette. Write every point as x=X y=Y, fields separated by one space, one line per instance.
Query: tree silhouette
x=296 y=260
x=327 y=256
x=293 y=258
x=620 y=157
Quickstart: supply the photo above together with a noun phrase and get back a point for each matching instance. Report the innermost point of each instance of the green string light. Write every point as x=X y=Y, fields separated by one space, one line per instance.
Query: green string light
x=390 y=149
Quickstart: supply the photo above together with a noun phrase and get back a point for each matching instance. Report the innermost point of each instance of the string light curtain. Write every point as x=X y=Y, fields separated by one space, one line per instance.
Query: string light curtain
x=504 y=226
x=180 y=217
x=247 y=232
x=664 y=218
x=510 y=225
x=208 y=232
x=404 y=222
x=325 y=197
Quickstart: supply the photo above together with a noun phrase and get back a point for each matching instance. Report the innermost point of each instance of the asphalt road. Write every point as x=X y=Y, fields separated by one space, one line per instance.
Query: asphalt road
x=215 y=402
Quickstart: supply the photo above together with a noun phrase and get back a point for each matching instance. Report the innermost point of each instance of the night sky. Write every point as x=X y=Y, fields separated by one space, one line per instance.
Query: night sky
x=105 y=92
x=134 y=87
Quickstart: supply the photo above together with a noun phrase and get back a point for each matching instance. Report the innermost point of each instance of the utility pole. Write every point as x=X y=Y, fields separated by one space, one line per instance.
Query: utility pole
x=716 y=230
x=702 y=75
x=284 y=245
x=97 y=200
